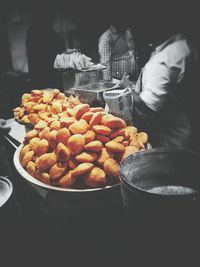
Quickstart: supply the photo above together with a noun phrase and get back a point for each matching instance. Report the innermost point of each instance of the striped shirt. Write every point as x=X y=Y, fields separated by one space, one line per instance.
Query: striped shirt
x=117 y=52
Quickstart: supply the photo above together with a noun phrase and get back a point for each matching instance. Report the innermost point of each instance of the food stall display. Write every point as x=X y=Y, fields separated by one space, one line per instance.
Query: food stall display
x=76 y=145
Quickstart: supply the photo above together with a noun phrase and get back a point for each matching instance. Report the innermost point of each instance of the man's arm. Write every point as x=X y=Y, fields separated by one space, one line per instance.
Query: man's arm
x=105 y=57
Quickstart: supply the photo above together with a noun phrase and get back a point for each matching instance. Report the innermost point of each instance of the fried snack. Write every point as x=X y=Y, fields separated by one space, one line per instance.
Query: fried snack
x=93 y=146
x=68 y=180
x=117 y=133
x=118 y=139
x=82 y=169
x=57 y=170
x=40 y=125
x=79 y=127
x=31 y=168
x=44 y=115
x=29 y=106
x=24 y=150
x=111 y=168
x=95 y=178
x=105 y=118
x=96 y=109
x=142 y=137
x=62 y=152
x=42 y=147
x=36 y=92
x=87 y=116
x=89 y=136
x=33 y=143
x=73 y=163
x=25 y=98
x=39 y=107
x=102 y=138
x=86 y=157
x=102 y=130
x=47 y=97
x=134 y=141
x=46 y=161
x=27 y=157
x=67 y=121
x=76 y=144
x=115 y=147
x=55 y=125
x=53 y=139
x=43 y=177
x=71 y=112
x=44 y=134
x=103 y=156
x=128 y=151
x=96 y=119
x=80 y=110
x=63 y=135
x=31 y=134
x=56 y=107
x=115 y=123
x=130 y=130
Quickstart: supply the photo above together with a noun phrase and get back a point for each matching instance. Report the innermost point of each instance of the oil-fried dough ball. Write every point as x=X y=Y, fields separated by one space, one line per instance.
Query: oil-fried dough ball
x=76 y=143
x=63 y=136
x=95 y=178
x=33 y=143
x=27 y=157
x=96 y=119
x=118 y=139
x=134 y=141
x=42 y=147
x=24 y=150
x=53 y=139
x=96 y=109
x=79 y=127
x=44 y=115
x=46 y=161
x=89 y=136
x=25 y=98
x=31 y=168
x=115 y=123
x=101 y=129
x=82 y=168
x=31 y=134
x=36 y=92
x=55 y=125
x=115 y=147
x=93 y=146
x=39 y=107
x=111 y=168
x=80 y=110
x=142 y=137
x=130 y=130
x=104 y=155
x=71 y=112
x=40 y=125
x=102 y=138
x=63 y=153
x=67 y=121
x=44 y=134
x=128 y=151
x=117 y=133
x=57 y=170
x=29 y=106
x=56 y=107
x=87 y=116
x=73 y=163
x=47 y=97
x=25 y=119
x=68 y=180
x=105 y=118
x=43 y=177
x=86 y=157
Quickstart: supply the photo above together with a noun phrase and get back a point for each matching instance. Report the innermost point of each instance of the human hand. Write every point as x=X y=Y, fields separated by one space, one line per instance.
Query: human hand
x=125 y=82
x=4 y=128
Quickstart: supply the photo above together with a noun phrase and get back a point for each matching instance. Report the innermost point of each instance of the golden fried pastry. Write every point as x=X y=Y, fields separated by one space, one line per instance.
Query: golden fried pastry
x=55 y=125
x=105 y=118
x=118 y=139
x=71 y=112
x=25 y=119
x=134 y=141
x=73 y=163
x=142 y=137
x=24 y=150
x=130 y=130
x=40 y=125
x=95 y=178
x=44 y=115
x=103 y=156
x=36 y=92
x=56 y=107
x=31 y=134
x=93 y=146
x=80 y=110
x=53 y=139
x=42 y=147
x=117 y=133
x=46 y=161
x=87 y=116
x=96 y=119
x=101 y=129
x=31 y=168
x=33 y=143
x=96 y=109
x=89 y=136
x=57 y=170
x=86 y=157
x=43 y=177
x=60 y=96
x=47 y=97
x=102 y=138
x=128 y=151
x=39 y=107
x=25 y=98
x=68 y=180
x=115 y=147
x=62 y=152
x=111 y=167
x=63 y=135
x=67 y=121
x=44 y=134
x=82 y=169
x=27 y=157
x=29 y=106
x=79 y=127
x=115 y=123
x=76 y=144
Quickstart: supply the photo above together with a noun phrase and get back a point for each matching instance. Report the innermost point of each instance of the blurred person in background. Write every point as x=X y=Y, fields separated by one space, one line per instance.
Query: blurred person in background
x=43 y=44
x=166 y=95
x=117 y=49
